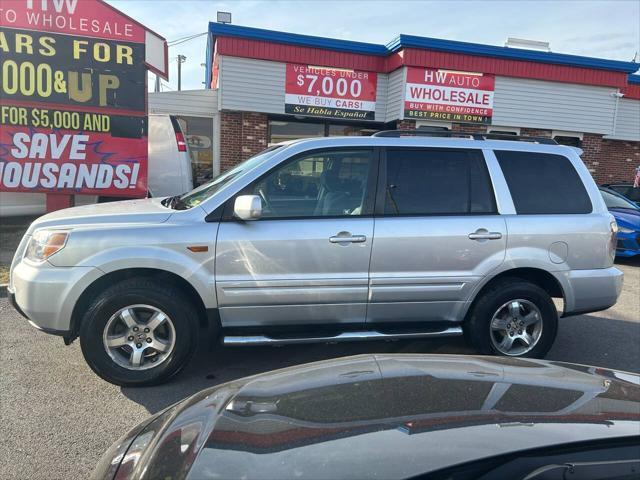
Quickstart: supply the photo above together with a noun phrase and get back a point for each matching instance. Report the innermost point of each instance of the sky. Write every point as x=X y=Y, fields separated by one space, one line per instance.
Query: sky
x=606 y=28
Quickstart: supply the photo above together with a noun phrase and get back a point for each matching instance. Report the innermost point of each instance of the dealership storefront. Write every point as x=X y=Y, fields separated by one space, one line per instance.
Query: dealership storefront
x=266 y=87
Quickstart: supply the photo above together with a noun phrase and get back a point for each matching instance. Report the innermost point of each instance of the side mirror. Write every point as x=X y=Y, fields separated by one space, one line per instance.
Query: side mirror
x=248 y=207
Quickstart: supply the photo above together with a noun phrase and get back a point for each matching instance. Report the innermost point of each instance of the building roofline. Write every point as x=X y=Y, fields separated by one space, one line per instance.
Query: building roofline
x=634 y=79
x=411 y=41
x=222 y=29
x=509 y=53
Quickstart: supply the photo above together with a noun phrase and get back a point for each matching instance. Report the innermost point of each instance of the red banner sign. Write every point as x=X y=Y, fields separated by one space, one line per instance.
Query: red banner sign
x=445 y=95
x=87 y=18
x=73 y=86
x=330 y=92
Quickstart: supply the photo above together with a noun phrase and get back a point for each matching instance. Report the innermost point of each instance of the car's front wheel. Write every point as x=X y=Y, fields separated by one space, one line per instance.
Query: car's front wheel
x=139 y=332
x=513 y=318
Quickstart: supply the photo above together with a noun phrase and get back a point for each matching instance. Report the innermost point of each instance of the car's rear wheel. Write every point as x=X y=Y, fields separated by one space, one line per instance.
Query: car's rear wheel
x=513 y=318
x=139 y=332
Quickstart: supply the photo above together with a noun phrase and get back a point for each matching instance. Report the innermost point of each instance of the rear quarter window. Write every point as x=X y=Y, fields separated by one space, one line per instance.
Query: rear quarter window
x=543 y=183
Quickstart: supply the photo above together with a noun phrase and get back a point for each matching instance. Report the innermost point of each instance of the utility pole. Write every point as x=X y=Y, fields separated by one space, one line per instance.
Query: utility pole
x=181 y=60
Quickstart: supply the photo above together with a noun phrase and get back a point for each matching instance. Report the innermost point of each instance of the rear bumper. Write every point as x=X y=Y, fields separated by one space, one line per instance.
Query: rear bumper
x=591 y=290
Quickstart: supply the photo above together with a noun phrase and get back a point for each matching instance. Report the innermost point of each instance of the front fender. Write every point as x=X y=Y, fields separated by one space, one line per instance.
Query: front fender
x=195 y=268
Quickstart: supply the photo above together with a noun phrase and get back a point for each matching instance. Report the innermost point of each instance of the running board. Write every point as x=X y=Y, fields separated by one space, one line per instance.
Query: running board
x=246 y=340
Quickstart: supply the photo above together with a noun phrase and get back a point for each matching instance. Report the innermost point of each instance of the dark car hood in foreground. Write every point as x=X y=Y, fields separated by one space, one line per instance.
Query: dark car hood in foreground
x=387 y=416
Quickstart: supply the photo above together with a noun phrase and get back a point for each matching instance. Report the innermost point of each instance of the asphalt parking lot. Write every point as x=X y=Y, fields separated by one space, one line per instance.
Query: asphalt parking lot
x=57 y=417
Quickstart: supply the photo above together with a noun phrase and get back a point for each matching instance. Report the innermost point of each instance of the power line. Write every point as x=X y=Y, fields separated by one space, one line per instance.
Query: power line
x=166 y=86
x=182 y=38
x=185 y=39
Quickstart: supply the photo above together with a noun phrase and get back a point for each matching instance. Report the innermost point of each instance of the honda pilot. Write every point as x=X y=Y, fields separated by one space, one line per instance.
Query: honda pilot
x=393 y=236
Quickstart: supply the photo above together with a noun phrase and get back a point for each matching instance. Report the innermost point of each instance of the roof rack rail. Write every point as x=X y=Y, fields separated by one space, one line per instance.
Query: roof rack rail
x=428 y=132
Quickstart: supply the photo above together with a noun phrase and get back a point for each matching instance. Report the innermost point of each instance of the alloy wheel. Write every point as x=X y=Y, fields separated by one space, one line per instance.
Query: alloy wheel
x=139 y=337
x=516 y=327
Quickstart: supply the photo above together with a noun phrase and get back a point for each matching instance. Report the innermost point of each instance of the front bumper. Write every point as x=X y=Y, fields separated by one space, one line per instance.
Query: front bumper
x=14 y=304
x=46 y=295
x=592 y=290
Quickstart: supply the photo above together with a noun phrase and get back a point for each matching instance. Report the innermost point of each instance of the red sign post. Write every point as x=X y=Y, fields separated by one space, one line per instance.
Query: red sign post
x=330 y=92
x=445 y=95
x=73 y=109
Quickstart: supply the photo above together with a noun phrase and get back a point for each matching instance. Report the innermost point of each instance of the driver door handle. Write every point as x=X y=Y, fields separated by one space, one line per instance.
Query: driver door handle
x=485 y=236
x=348 y=239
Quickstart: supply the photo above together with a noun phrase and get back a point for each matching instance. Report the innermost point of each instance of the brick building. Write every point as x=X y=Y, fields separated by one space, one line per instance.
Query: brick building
x=268 y=86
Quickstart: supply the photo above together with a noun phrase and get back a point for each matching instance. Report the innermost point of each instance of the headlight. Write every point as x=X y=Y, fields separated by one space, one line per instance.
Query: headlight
x=625 y=229
x=45 y=243
x=110 y=462
x=119 y=462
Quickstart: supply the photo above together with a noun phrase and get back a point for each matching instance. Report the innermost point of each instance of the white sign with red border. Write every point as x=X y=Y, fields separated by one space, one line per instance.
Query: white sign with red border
x=446 y=95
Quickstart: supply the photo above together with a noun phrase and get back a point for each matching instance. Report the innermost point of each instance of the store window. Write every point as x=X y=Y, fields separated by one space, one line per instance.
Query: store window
x=284 y=129
x=350 y=131
x=571 y=139
x=433 y=125
x=199 y=135
x=503 y=130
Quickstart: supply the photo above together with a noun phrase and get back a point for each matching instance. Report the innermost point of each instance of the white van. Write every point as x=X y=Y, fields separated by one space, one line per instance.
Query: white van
x=170 y=171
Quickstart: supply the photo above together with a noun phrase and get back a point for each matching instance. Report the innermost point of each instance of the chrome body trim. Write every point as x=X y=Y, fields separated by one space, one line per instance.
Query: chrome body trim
x=245 y=340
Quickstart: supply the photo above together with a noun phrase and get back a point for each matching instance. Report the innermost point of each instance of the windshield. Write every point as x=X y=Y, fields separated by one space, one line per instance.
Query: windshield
x=615 y=201
x=198 y=195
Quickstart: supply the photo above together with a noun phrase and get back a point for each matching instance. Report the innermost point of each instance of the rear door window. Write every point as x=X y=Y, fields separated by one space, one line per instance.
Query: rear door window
x=437 y=182
x=543 y=183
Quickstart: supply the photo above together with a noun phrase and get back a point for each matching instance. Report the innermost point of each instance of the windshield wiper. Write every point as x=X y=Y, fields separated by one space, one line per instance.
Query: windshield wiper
x=167 y=202
x=174 y=202
x=621 y=469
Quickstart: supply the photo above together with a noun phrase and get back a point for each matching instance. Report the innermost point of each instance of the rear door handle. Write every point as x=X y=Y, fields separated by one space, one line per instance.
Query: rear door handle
x=485 y=235
x=348 y=239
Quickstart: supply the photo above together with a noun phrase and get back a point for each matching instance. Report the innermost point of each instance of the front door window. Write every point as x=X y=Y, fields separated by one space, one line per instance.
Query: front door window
x=324 y=184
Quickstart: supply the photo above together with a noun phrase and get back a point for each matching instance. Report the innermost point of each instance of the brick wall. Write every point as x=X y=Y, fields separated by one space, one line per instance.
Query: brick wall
x=591 y=146
x=468 y=128
x=406 y=125
x=609 y=161
x=242 y=135
x=617 y=161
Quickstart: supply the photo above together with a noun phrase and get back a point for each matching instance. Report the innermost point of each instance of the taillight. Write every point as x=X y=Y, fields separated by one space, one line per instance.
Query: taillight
x=613 y=238
x=182 y=144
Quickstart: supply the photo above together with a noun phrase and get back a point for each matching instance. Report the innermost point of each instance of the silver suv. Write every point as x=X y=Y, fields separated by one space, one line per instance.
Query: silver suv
x=330 y=239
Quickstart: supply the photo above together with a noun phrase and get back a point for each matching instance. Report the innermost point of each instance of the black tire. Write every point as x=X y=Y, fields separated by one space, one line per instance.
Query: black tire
x=170 y=300
x=477 y=326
